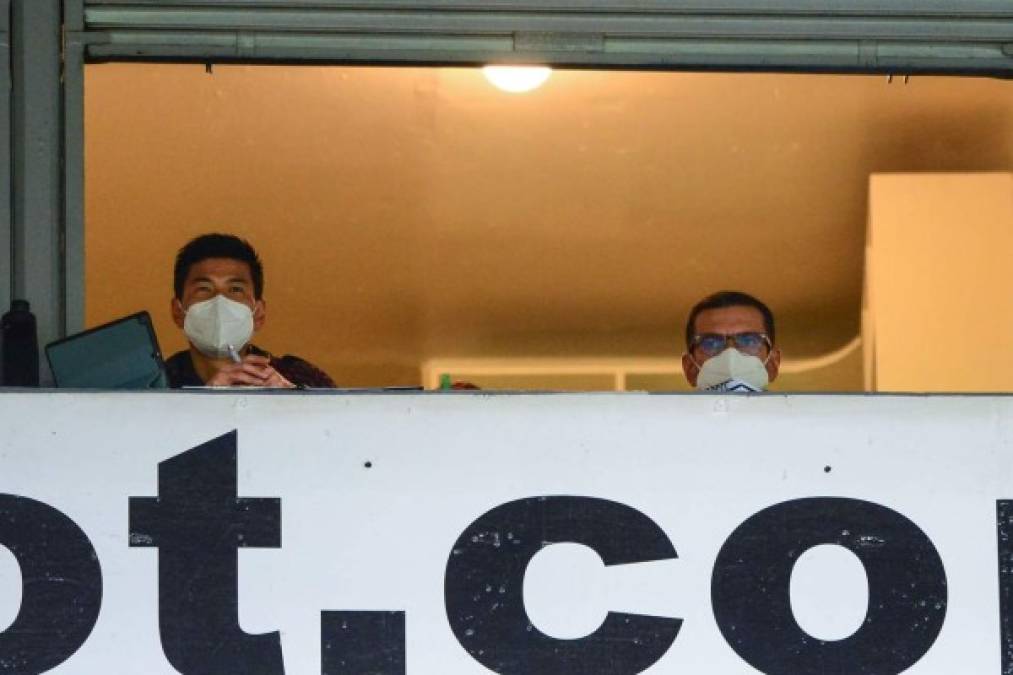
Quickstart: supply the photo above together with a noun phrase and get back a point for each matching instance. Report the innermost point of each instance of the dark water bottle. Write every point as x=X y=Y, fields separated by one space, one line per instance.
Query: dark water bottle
x=20 y=346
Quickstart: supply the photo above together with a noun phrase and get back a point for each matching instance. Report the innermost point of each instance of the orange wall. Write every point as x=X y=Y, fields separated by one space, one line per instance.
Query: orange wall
x=404 y=214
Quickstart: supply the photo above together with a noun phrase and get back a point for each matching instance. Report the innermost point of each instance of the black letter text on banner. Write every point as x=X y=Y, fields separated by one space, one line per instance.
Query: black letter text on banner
x=1004 y=532
x=362 y=643
x=750 y=589
x=61 y=583
x=198 y=523
x=484 y=598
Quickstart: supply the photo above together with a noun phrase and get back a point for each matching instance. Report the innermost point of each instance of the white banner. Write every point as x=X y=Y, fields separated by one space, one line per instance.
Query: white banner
x=465 y=533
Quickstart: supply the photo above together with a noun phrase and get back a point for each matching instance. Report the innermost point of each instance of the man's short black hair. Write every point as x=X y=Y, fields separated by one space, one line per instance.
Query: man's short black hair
x=729 y=299
x=217 y=246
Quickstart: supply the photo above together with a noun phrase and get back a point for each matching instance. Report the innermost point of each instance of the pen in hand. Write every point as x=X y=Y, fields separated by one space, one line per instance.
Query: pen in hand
x=233 y=354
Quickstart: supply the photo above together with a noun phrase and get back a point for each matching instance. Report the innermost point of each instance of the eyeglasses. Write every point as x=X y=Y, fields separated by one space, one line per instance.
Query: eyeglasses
x=712 y=344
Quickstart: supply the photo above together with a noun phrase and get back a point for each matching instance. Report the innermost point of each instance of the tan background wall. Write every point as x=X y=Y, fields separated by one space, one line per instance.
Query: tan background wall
x=410 y=213
x=940 y=288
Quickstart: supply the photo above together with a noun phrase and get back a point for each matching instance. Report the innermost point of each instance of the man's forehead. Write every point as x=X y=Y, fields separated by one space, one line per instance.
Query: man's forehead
x=734 y=319
x=220 y=268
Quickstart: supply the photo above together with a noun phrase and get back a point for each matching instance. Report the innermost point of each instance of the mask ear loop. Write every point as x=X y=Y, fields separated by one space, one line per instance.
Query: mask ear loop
x=699 y=366
x=693 y=361
x=689 y=353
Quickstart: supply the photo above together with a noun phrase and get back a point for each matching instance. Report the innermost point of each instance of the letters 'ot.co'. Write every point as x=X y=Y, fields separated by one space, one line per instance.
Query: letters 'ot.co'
x=198 y=522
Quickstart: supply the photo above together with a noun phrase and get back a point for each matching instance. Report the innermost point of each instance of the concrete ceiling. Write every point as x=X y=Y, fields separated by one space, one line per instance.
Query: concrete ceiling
x=408 y=213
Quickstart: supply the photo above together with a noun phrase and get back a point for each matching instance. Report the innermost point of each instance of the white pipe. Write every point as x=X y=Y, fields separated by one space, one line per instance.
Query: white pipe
x=793 y=366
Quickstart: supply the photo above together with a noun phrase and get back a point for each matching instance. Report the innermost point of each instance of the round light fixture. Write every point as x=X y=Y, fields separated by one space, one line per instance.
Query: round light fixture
x=517 y=79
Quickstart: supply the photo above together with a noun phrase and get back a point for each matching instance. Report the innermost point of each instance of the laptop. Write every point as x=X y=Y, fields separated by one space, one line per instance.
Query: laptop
x=122 y=354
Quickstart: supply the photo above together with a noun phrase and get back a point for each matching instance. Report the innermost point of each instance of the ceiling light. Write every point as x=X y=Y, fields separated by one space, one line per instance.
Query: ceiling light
x=517 y=79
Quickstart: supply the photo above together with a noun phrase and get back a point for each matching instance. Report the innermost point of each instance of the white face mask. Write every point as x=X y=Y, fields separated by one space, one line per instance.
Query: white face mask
x=219 y=323
x=731 y=370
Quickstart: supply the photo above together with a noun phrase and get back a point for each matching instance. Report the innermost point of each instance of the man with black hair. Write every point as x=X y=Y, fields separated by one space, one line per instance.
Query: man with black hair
x=218 y=284
x=730 y=344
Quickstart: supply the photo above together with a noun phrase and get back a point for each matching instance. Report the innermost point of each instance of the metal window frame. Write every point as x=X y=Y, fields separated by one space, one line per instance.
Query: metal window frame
x=881 y=36
x=73 y=178
x=6 y=218
x=37 y=121
x=42 y=242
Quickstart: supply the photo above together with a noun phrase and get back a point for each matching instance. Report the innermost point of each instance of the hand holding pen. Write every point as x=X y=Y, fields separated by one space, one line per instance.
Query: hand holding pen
x=251 y=371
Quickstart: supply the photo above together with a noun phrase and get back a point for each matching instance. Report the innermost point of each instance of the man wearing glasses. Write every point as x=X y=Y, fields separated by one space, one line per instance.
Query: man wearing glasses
x=730 y=344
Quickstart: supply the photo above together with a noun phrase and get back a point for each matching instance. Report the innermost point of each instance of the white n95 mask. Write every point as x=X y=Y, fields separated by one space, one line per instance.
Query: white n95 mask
x=731 y=370
x=216 y=324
